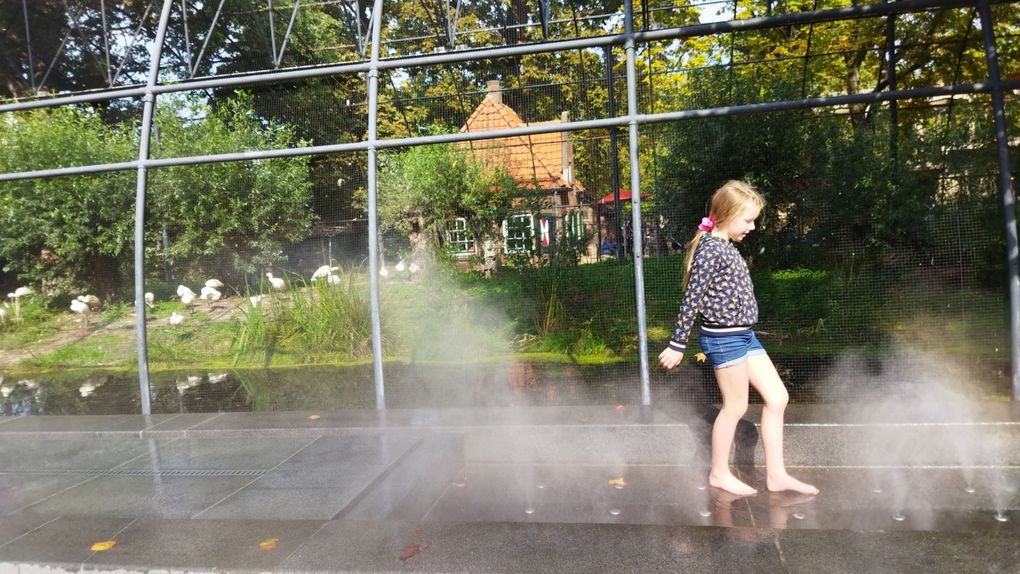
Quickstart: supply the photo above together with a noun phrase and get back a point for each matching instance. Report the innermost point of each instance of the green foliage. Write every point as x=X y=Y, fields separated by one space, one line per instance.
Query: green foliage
x=71 y=232
x=423 y=188
x=232 y=217
x=310 y=322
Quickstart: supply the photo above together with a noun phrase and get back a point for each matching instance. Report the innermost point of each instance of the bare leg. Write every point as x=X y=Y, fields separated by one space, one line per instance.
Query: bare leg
x=763 y=376
x=733 y=384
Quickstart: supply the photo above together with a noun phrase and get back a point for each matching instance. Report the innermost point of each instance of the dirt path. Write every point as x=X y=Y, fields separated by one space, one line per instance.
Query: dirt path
x=123 y=329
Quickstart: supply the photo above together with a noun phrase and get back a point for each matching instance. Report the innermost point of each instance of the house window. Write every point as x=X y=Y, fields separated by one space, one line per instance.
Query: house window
x=459 y=239
x=519 y=233
x=573 y=225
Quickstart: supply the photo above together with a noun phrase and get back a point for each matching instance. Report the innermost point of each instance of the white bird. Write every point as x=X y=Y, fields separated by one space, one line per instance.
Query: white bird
x=188 y=298
x=333 y=279
x=217 y=377
x=214 y=283
x=29 y=383
x=182 y=291
x=176 y=318
x=150 y=300
x=82 y=308
x=276 y=282
x=3 y=315
x=6 y=390
x=323 y=272
x=399 y=266
x=91 y=300
x=383 y=272
x=87 y=390
x=255 y=299
x=17 y=295
x=414 y=268
x=210 y=294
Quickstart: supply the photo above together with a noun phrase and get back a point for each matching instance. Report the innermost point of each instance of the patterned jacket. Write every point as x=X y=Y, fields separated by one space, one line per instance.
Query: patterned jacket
x=720 y=290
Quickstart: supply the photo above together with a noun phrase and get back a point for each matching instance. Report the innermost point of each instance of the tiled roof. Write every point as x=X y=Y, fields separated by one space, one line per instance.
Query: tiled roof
x=536 y=158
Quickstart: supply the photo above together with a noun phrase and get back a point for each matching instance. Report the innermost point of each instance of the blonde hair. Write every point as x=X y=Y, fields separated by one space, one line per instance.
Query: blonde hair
x=728 y=202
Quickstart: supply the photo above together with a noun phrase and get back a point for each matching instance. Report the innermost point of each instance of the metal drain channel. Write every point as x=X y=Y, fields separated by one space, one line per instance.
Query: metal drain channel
x=172 y=472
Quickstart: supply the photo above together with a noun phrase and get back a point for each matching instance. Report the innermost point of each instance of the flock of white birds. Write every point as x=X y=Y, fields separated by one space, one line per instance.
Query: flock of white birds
x=85 y=305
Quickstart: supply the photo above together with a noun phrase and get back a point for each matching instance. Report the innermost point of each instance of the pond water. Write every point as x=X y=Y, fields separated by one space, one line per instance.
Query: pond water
x=338 y=388
x=515 y=383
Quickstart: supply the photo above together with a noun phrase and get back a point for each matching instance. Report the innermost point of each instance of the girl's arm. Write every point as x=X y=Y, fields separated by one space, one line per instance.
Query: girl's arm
x=703 y=267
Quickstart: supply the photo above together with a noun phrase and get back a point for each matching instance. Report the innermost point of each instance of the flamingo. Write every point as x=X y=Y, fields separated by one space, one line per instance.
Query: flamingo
x=17 y=295
x=210 y=294
x=82 y=308
x=277 y=283
x=150 y=300
x=91 y=300
x=214 y=283
x=323 y=272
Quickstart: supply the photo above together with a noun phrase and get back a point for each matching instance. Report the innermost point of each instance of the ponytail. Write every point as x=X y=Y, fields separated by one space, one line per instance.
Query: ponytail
x=689 y=258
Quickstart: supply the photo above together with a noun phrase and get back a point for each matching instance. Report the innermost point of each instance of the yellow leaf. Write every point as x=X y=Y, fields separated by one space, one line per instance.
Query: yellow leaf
x=314 y=418
x=700 y=357
x=618 y=482
x=104 y=545
x=268 y=543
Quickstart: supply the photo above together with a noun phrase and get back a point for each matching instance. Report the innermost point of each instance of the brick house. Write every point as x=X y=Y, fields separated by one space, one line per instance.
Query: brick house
x=543 y=161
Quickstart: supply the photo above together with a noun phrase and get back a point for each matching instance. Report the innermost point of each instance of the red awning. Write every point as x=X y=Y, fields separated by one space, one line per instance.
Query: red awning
x=624 y=196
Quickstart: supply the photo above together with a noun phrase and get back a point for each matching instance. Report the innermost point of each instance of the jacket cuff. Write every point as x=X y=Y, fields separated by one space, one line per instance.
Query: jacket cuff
x=677 y=346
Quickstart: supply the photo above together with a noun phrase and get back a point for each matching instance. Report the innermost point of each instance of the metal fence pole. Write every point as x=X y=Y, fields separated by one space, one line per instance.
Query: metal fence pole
x=635 y=203
x=373 y=225
x=148 y=102
x=1006 y=194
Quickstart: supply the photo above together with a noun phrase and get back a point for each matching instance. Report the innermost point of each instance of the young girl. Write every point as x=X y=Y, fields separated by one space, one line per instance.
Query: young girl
x=717 y=285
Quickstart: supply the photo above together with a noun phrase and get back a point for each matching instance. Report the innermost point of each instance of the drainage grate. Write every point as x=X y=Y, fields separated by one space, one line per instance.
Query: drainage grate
x=170 y=472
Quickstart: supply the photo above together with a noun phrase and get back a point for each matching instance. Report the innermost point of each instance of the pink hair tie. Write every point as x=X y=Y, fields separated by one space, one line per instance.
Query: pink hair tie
x=707 y=223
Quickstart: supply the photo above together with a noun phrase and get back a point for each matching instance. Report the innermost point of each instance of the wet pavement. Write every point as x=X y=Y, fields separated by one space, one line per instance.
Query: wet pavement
x=553 y=489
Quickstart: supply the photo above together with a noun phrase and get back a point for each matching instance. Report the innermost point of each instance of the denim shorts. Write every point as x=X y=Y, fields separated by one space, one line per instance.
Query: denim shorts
x=728 y=350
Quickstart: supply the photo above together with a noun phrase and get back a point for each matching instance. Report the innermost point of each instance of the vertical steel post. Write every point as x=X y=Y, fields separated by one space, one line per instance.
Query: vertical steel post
x=373 y=225
x=635 y=202
x=148 y=102
x=614 y=156
x=28 y=46
x=1006 y=194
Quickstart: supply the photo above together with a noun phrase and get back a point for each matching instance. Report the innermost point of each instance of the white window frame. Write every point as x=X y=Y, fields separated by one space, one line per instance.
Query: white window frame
x=526 y=240
x=460 y=240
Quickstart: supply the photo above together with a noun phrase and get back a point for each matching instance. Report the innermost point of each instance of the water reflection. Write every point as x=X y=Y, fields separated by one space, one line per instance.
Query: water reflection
x=419 y=385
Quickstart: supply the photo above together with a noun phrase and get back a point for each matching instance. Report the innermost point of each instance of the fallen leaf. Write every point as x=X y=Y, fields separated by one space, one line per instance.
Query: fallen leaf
x=409 y=551
x=268 y=543
x=419 y=531
x=620 y=408
x=617 y=482
x=459 y=483
x=701 y=357
x=314 y=418
x=104 y=545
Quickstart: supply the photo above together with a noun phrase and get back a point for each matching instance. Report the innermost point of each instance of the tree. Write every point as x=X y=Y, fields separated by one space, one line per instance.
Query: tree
x=77 y=232
x=233 y=217
x=69 y=232
x=422 y=189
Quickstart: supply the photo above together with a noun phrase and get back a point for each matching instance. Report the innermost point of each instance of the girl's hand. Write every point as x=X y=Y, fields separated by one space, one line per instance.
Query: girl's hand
x=670 y=358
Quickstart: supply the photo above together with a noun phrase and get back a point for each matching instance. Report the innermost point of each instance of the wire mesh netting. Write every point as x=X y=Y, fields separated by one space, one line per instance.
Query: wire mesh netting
x=506 y=265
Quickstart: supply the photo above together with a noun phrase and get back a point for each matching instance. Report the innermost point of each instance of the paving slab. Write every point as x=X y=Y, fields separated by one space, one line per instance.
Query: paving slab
x=853 y=552
x=67 y=454
x=534 y=548
x=63 y=543
x=23 y=489
x=221 y=453
x=203 y=545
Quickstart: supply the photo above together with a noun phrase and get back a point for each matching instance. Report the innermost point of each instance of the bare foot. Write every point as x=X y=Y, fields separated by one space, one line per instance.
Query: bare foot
x=731 y=484
x=787 y=482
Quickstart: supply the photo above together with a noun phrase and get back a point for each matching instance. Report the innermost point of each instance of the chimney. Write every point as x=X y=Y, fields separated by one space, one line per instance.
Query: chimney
x=494 y=90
